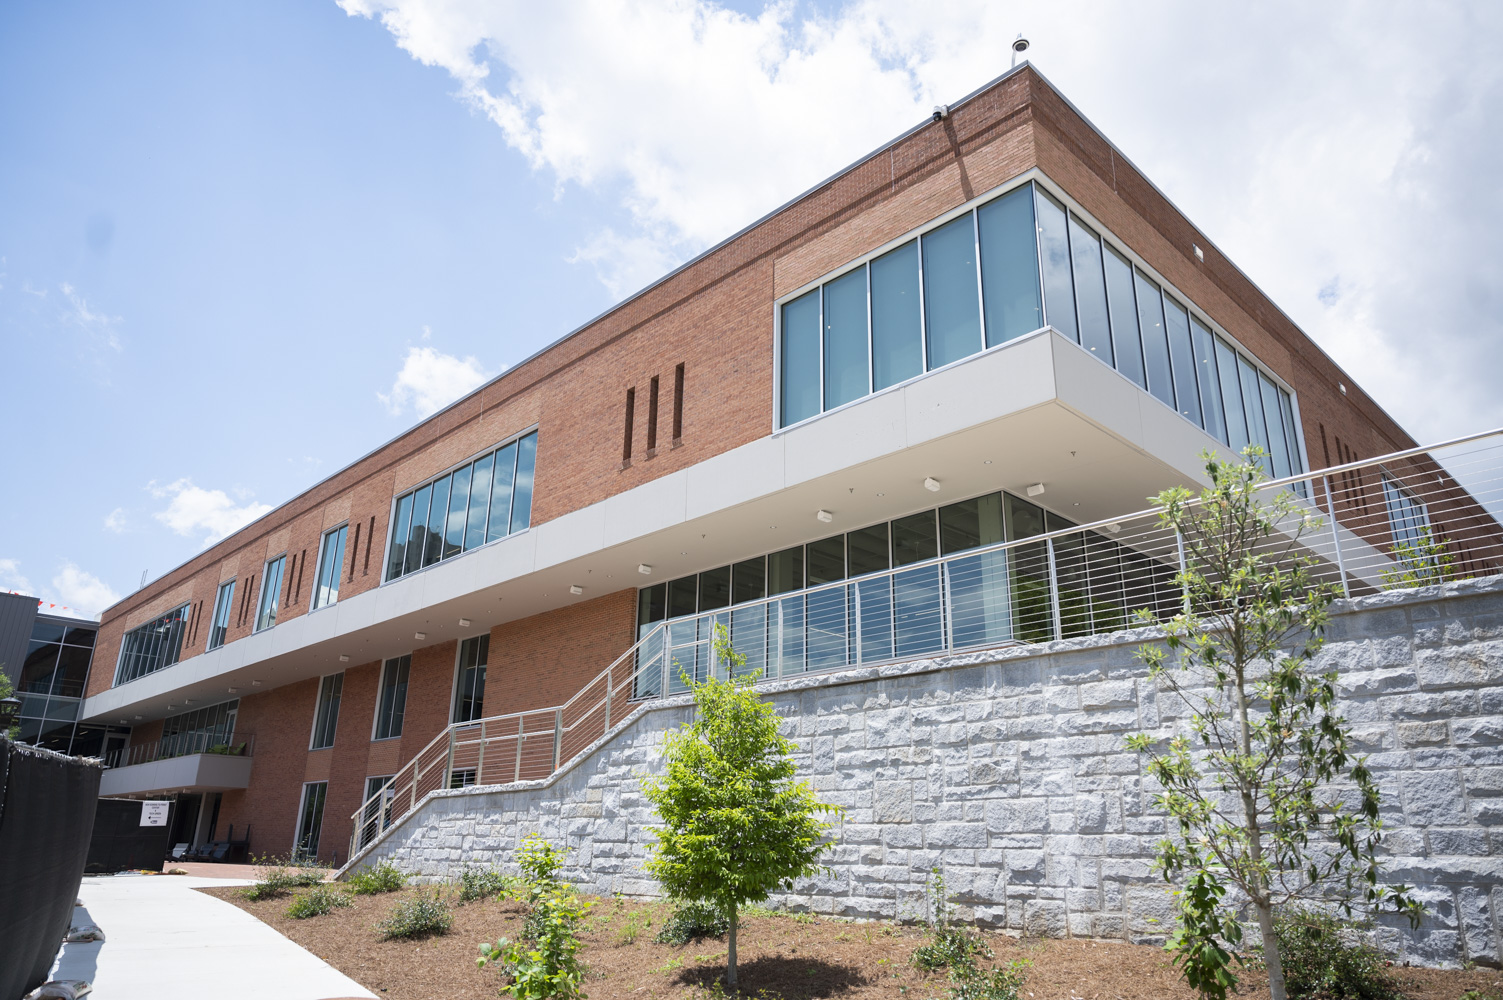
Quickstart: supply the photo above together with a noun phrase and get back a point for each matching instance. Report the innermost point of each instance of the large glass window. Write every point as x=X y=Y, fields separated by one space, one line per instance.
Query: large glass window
x=51 y=685
x=847 y=374
x=952 y=311
x=326 y=714
x=1127 y=346
x=391 y=701
x=1090 y=290
x=800 y=356
x=310 y=820
x=1010 y=267
x=330 y=566
x=1231 y=396
x=1054 y=263
x=897 y=335
x=1155 y=343
x=202 y=730
x=469 y=686
x=271 y=593
x=1182 y=360
x=1408 y=519
x=466 y=507
x=148 y=648
x=219 y=624
x=1210 y=385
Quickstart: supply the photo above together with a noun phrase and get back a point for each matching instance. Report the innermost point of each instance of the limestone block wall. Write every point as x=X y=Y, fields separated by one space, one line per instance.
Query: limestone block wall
x=1008 y=768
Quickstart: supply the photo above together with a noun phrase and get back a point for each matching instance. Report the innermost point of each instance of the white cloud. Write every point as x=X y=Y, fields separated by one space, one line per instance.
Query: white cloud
x=429 y=380
x=11 y=577
x=115 y=520
x=1344 y=147
x=82 y=591
x=192 y=509
x=99 y=327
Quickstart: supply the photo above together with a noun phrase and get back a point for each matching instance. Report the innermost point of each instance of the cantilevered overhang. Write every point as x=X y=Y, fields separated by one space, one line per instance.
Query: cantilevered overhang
x=194 y=772
x=1037 y=410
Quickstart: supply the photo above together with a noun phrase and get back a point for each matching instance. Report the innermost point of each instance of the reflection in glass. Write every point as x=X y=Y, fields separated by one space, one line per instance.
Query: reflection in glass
x=1231 y=396
x=980 y=612
x=521 y=500
x=1054 y=258
x=1155 y=343
x=971 y=523
x=433 y=547
x=503 y=478
x=913 y=538
x=952 y=313
x=826 y=631
x=391 y=705
x=917 y=614
x=897 y=343
x=1009 y=266
x=866 y=550
x=1182 y=358
x=271 y=591
x=469 y=692
x=1252 y=402
x=826 y=560
x=480 y=501
x=1210 y=386
x=1278 y=448
x=419 y=533
x=459 y=506
x=749 y=580
x=800 y=358
x=1127 y=346
x=1090 y=291
x=219 y=625
x=871 y=611
x=330 y=567
x=846 y=372
x=714 y=588
x=785 y=570
x=683 y=596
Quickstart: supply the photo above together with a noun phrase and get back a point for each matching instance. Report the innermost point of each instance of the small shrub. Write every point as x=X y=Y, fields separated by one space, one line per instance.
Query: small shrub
x=317 y=901
x=540 y=861
x=1325 y=960
x=949 y=947
x=371 y=881
x=549 y=968
x=691 y=921
x=481 y=883
x=422 y=914
x=279 y=877
x=631 y=927
x=971 y=983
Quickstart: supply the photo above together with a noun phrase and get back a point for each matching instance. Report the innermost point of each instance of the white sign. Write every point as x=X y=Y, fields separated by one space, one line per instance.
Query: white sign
x=154 y=813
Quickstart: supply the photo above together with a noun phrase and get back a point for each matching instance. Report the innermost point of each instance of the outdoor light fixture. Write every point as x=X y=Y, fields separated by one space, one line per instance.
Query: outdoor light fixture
x=344 y=657
x=644 y=569
x=1036 y=490
x=464 y=623
x=255 y=684
x=1019 y=46
x=420 y=635
x=931 y=484
x=230 y=690
x=9 y=709
x=575 y=589
x=824 y=516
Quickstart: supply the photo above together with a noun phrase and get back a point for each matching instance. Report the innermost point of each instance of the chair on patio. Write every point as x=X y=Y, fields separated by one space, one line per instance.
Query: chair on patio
x=178 y=851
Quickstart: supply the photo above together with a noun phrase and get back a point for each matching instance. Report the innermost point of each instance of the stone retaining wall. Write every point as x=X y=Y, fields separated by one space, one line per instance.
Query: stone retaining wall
x=1008 y=768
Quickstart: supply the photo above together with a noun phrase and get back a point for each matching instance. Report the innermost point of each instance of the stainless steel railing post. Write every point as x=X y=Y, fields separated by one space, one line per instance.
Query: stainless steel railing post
x=1179 y=543
x=558 y=736
x=1054 y=590
x=1346 y=590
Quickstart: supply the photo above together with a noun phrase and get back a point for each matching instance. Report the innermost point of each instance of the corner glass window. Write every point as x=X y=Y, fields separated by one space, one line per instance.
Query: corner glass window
x=1090 y=291
x=1009 y=267
x=148 y=648
x=1054 y=263
x=971 y=523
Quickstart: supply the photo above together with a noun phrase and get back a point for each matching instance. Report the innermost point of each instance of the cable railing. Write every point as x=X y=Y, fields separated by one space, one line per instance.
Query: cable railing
x=182 y=745
x=1408 y=519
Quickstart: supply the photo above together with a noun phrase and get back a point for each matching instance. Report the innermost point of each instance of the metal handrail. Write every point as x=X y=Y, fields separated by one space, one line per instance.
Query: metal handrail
x=1073 y=581
x=182 y=745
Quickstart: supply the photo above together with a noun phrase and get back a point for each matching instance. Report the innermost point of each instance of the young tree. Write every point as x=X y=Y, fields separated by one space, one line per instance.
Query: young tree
x=736 y=825
x=1252 y=790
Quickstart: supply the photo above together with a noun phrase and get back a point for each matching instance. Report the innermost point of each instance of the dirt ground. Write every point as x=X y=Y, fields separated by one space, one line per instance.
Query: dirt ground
x=781 y=957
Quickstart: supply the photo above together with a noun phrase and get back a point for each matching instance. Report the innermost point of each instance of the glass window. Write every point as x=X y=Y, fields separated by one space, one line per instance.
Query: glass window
x=80 y=636
x=1252 y=401
x=825 y=560
x=1054 y=260
x=1024 y=520
x=419 y=533
x=1090 y=290
x=785 y=571
x=1155 y=343
x=400 y=524
x=219 y=625
x=504 y=479
x=1408 y=518
x=391 y=702
x=72 y=672
x=459 y=508
x=683 y=596
x=311 y=818
x=714 y=588
x=1210 y=386
x=897 y=342
x=438 y=512
x=952 y=311
x=749 y=580
x=1182 y=358
x=521 y=501
x=652 y=607
x=469 y=687
x=1291 y=435
x=271 y=590
x=150 y=647
x=1010 y=266
x=1277 y=446
x=1231 y=397
x=971 y=523
x=326 y=713
x=40 y=665
x=42 y=631
x=1127 y=346
x=480 y=501
x=847 y=374
x=866 y=550
x=914 y=538
x=800 y=358
x=330 y=567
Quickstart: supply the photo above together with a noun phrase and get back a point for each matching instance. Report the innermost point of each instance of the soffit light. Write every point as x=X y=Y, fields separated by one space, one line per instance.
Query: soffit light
x=464 y=623
x=931 y=484
x=1036 y=490
x=824 y=516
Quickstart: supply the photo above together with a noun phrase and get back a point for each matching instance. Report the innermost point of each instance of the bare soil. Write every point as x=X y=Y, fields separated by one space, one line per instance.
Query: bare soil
x=781 y=957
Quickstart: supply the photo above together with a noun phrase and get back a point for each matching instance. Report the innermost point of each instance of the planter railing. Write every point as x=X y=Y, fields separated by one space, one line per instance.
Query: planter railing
x=1413 y=517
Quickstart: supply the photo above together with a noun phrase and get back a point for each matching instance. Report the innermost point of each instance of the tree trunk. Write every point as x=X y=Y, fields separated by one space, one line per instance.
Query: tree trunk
x=1271 y=957
x=730 y=971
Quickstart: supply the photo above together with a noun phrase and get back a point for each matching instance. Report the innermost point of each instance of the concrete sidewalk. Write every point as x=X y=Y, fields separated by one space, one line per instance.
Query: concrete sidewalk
x=163 y=940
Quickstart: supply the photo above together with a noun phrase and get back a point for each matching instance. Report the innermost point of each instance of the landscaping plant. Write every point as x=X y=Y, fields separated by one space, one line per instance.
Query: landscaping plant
x=547 y=966
x=1324 y=959
x=318 y=900
x=1251 y=788
x=482 y=883
x=1421 y=562
x=278 y=877
x=421 y=914
x=949 y=947
x=373 y=880
x=693 y=921
x=736 y=825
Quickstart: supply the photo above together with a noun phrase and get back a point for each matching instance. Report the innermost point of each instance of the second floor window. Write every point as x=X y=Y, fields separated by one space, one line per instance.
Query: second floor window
x=326 y=716
x=219 y=626
x=469 y=690
x=392 y=702
x=271 y=589
x=330 y=563
x=150 y=647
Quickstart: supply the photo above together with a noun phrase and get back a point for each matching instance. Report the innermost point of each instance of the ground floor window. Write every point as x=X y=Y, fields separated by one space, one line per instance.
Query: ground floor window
x=311 y=818
x=469 y=688
x=377 y=812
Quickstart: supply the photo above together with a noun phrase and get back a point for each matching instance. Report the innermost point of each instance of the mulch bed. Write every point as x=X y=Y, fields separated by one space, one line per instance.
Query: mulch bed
x=781 y=957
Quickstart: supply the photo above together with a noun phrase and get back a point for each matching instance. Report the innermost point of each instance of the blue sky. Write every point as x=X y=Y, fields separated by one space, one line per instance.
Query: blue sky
x=243 y=243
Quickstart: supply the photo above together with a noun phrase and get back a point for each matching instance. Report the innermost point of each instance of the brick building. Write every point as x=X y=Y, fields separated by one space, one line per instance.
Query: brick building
x=990 y=327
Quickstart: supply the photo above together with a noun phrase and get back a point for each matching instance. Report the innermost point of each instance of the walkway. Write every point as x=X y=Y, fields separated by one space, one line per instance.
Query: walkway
x=163 y=939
